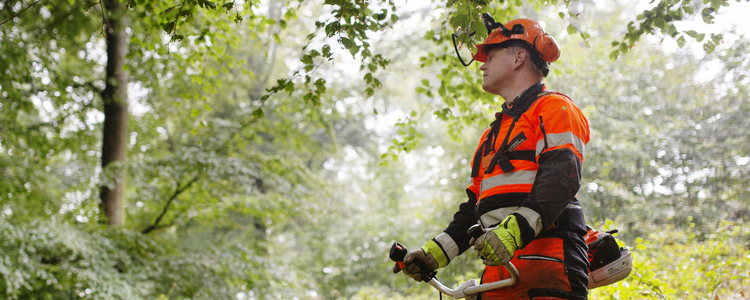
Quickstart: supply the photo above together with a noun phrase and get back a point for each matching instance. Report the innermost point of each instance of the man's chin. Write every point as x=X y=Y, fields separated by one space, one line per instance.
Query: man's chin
x=487 y=88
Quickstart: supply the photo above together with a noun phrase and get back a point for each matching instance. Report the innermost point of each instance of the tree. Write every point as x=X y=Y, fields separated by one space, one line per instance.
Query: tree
x=115 y=100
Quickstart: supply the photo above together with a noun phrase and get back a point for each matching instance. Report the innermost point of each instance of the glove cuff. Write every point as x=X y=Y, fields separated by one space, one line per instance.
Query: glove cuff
x=510 y=234
x=438 y=250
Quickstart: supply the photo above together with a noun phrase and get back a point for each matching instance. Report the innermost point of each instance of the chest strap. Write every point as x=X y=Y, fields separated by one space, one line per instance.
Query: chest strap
x=521 y=104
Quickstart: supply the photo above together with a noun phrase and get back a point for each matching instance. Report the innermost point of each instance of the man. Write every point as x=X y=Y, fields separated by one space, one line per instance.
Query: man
x=526 y=172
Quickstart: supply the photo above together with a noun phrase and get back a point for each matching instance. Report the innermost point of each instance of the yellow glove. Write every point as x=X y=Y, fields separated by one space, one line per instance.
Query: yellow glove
x=498 y=245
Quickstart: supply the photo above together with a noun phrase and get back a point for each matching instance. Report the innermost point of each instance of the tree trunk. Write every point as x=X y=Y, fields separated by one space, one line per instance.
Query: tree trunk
x=115 y=98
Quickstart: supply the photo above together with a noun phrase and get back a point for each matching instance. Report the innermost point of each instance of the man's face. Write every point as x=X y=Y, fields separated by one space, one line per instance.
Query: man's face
x=497 y=70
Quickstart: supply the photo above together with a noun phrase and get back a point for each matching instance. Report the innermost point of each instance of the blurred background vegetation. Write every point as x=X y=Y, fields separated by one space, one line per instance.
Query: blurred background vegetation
x=276 y=149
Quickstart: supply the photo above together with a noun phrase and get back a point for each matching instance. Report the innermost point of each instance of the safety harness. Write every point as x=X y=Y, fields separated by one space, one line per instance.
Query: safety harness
x=506 y=151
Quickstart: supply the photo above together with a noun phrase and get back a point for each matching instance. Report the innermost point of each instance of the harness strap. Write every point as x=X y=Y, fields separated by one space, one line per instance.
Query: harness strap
x=522 y=103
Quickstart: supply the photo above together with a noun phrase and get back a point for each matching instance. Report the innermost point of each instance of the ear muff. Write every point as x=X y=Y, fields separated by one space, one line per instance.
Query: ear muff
x=547 y=47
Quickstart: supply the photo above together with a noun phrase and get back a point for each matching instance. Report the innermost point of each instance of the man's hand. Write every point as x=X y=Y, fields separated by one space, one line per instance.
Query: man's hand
x=498 y=245
x=412 y=262
x=430 y=257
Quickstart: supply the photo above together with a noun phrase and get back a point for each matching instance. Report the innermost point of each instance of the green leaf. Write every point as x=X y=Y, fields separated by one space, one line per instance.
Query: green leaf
x=459 y=20
x=717 y=38
x=71 y=2
x=194 y=112
x=660 y=23
x=716 y=4
x=332 y=28
x=624 y=48
x=614 y=54
x=681 y=41
x=572 y=29
x=207 y=107
x=258 y=113
x=382 y=15
x=289 y=87
x=672 y=30
x=709 y=47
x=707 y=15
x=346 y=42
x=168 y=27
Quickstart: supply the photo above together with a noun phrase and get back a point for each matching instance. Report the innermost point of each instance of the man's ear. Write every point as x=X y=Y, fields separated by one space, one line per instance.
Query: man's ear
x=520 y=57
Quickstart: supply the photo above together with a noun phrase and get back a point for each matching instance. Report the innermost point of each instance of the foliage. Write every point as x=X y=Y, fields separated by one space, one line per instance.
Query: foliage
x=255 y=170
x=54 y=260
x=684 y=264
x=660 y=19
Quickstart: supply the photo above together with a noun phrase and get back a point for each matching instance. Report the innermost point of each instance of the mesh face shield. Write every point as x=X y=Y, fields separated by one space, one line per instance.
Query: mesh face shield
x=523 y=32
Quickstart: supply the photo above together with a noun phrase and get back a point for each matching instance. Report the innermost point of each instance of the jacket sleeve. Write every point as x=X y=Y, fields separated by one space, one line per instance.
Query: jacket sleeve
x=563 y=132
x=463 y=219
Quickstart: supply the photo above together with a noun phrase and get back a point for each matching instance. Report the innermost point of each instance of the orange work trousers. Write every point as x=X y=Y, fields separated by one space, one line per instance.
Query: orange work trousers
x=549 y=268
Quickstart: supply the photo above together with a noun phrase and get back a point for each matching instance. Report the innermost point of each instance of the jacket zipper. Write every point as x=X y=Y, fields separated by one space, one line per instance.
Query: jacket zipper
x=540 y=257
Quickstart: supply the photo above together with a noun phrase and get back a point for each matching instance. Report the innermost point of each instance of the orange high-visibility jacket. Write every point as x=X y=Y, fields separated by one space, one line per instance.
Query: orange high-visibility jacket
x=528 y=163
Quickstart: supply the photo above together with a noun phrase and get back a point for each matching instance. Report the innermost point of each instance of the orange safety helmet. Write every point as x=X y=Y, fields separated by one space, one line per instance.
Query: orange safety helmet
x=525 y=30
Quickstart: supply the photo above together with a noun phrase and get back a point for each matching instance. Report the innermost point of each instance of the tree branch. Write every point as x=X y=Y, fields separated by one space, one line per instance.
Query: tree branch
x=16 y=15
x=164 y=210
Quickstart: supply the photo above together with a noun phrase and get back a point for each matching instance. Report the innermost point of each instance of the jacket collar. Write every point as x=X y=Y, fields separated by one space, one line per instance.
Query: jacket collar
x=521 y=103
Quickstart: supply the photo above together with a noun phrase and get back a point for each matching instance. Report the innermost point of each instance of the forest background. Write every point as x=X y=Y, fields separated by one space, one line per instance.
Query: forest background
x=276 y=149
